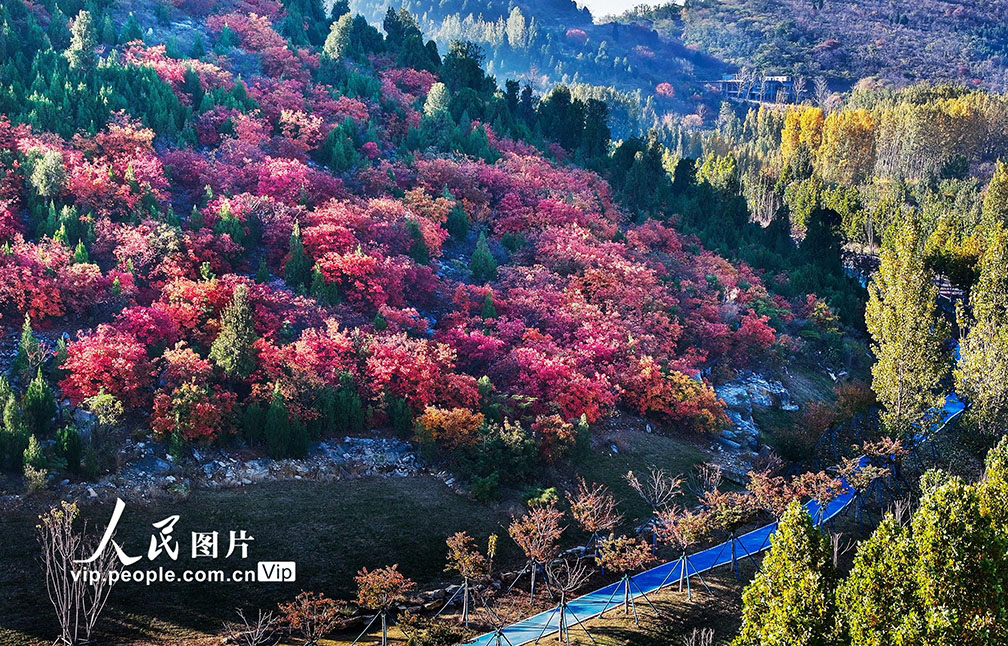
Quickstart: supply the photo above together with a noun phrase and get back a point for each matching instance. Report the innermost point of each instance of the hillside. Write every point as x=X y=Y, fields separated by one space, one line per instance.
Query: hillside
x=898 y=42
x=643 y=77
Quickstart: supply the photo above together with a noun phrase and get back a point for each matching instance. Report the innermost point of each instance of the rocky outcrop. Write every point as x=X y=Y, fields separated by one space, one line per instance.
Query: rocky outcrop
x=741 y=442
x=148 y=471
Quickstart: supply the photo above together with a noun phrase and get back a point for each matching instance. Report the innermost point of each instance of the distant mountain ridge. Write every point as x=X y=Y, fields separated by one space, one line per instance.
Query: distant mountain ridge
x=642 y=75
x=896 y=42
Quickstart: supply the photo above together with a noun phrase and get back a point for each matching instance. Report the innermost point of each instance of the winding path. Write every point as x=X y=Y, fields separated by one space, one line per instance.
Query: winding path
x=595 y=603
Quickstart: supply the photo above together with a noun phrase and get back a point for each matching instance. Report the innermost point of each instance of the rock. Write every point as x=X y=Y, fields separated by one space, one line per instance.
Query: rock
x=151 y=464
x=84 y=421
x=91 y=493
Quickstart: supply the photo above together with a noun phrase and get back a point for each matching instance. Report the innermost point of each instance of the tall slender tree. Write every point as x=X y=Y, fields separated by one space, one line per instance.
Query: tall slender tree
x=81 y=53
x=910 y=340
x=232 y=350
x=982 y=372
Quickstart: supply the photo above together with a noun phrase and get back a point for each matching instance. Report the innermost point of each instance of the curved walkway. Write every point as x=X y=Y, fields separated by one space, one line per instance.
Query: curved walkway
x=595 y=603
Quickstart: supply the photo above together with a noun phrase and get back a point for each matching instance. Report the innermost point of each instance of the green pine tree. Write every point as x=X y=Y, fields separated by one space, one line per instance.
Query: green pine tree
x=81 y=253
x=262 y=272
x=277 y=426
x=232 y=351
x=482 y=264
x=81 y=53
x=38 y=405
x=297 y=269
x=131 y=30
x=961 y=569
x=71 y=448
x=458 y=222
x=910 y=339
x=29 y=349
x=418 y=250
x=33 y=456
x=792 y=599
x=878 y=601
x=488 y=311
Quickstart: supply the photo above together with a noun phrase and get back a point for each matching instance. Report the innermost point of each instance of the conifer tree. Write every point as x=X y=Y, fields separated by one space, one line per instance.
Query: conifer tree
x=81 y=253
x=458 y=222
x=482 y=265
x=81 y=53
x=982 y=372
x=792 y=599
x=910 y=339
x=131 y=30
x=488 y=311
x=33 y=456
x=277 y=425
x=961 y=570
x=233 y=350
x=418 y=247
x=29 y=351
x=297 y=270
x=878 y=601
x=38 y=405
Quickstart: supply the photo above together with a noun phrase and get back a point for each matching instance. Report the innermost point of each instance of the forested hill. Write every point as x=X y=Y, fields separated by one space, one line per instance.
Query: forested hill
x=894 y=41
x=642 y=76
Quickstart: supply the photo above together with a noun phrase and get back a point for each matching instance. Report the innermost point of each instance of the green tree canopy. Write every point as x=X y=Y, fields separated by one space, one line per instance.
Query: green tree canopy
x=910 y=340
x=792 y=599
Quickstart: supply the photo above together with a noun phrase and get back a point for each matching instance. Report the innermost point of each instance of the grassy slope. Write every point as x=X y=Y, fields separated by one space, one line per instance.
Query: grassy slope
x=330 y=530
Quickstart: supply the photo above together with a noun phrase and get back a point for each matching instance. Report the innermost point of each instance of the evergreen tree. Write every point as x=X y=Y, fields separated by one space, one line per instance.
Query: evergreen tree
x=81 y=253
x=198 y=49
x=878 y=601
x=982 y=372
x=962 y=568
x=909 y=338
x=70 y=448
x=297 y=269
x=792 y=599
x=33 y=456
x=418 y=247
x=232 y=351
x=348 y=409
x=458 y=222
x=994 y=487
x=277 y=425
x=81 y=53
x=482 y=264
x=321 y=290
x=995 y=204
x=488 y=311
x=131 y=30
x=29 y=351
x=262 y=272
x=38 y=405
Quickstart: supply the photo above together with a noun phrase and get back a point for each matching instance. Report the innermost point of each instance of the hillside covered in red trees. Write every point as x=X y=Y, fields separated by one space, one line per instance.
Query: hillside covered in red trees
x=304 y=243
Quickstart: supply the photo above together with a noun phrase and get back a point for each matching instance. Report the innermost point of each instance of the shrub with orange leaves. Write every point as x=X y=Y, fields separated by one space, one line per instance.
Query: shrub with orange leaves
x=451 y=427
